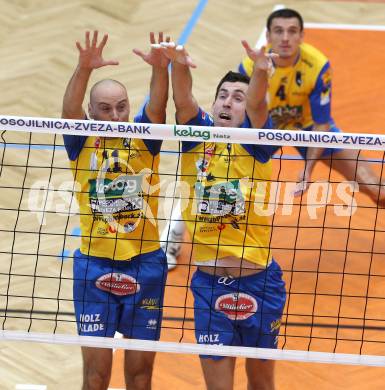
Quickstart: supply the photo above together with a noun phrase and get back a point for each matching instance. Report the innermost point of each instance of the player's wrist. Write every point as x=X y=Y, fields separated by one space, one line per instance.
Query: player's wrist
x=84 y=69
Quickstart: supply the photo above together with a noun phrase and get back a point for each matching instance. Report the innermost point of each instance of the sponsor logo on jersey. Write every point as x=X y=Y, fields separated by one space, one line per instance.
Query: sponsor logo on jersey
x=118 y=284
x=102 y=231
x=113 y=196
x=134 y=152
x=111 y=229
x=275 y=325
x=150 y=303
x=220 y=199
x=208 y=229
x=201 y=166
x=298 y=78
x=325 y=97
x=129 y=227
x=90 y=323
x=205 y=115
x=327 y=78
x=152 y=323
x=212 y=338
x=236 y=306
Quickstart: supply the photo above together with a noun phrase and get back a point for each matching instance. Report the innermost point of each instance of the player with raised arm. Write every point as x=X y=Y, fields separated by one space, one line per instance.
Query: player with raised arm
x=119 y=267
x=238 y=288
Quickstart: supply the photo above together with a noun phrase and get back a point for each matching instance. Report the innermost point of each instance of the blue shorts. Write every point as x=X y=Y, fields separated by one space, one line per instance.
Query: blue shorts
x=123 y=296
x=242 y=311
x=327 y=151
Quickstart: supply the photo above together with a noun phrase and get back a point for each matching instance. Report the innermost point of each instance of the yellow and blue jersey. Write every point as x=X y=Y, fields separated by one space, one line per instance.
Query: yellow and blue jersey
x=117 y=191
x=225 y=212
x=299 y=95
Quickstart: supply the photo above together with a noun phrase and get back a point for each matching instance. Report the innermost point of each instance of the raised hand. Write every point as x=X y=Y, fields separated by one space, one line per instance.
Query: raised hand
x=261 y=59
x=91 y=56
x=155 y=57
x=177 y=54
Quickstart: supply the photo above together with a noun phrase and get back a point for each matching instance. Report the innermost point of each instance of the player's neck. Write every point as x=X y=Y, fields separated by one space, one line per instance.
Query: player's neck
x=284 y=62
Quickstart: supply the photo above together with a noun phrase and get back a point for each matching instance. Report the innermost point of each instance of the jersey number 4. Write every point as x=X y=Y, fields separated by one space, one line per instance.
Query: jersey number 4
x=281 y=92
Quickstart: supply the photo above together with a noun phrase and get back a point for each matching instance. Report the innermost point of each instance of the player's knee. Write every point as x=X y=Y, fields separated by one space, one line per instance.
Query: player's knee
x=139 y=375
x=262 y=378
x=260 y=374
x=95 y=380
x=141 y=378
x=261 y=384
x=218 y=383
x=218 y=374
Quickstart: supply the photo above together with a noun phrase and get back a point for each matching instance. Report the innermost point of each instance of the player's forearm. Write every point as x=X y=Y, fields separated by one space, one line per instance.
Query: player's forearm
x=156 y=107
x=256 y=97
x=185 y=104
x=74 y=94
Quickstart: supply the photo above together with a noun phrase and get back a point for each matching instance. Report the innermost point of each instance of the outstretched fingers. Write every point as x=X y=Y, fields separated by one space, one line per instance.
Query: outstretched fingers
x=152 y=38
x=188 y=59
x=103 y=42
x=247 y=47
x=177 y=54
x=87 y=40
x=110 y=62
x=91 y=53
x=79 y=46
x=139 y=53
x=155 y=56
x=95 y=38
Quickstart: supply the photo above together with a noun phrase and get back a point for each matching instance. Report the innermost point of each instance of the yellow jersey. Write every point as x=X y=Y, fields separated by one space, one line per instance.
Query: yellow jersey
x=225 y=212
x=116 y=184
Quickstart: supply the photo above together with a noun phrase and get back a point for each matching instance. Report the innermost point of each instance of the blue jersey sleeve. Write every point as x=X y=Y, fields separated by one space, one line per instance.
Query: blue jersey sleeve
x=241 y=69
x=320 y=98
x=152 y=145
x=74 y=145
x=261 y=153
x=201 y=119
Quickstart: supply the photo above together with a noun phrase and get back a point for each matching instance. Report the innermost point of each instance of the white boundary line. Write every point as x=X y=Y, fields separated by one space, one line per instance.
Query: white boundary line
x=189 y=348
x=337 y=26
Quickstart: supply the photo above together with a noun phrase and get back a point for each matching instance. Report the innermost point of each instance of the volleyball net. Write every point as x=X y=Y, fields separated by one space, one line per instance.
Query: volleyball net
x=329 y=241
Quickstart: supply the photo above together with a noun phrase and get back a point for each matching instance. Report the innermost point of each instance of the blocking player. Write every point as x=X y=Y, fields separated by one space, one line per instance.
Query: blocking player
x=239 y=294
x=119 y=270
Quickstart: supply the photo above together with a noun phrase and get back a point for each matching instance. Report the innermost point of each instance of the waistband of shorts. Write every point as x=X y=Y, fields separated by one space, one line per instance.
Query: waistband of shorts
x=259 y=273
x=81 y=256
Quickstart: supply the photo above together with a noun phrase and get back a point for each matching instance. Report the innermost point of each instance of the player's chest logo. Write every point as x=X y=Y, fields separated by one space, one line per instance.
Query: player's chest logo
x=298 y=78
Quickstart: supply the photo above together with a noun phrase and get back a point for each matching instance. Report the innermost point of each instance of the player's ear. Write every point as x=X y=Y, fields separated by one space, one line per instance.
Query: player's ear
x=302 y=34
x=268 y=36
x=90 y=111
